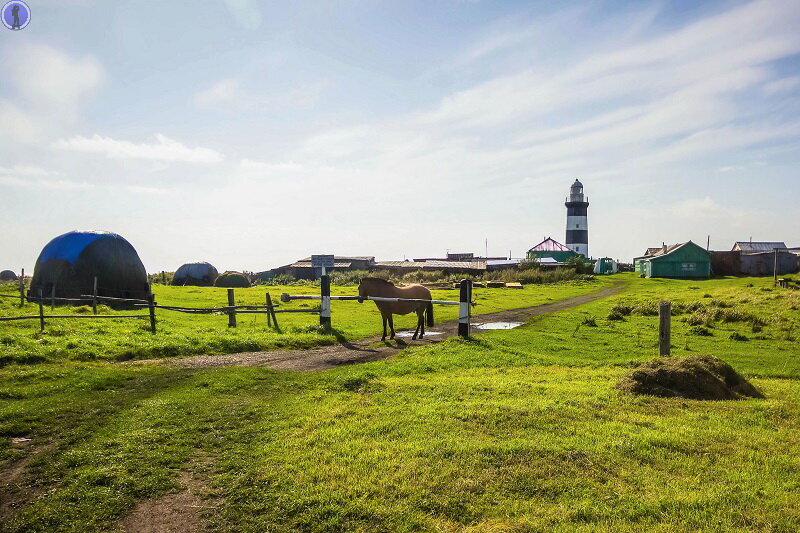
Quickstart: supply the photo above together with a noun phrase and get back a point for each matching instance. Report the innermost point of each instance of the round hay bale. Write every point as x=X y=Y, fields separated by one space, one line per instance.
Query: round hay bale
x=695 y=378
x=8 y=275
x=199 y=274
x=232 y=280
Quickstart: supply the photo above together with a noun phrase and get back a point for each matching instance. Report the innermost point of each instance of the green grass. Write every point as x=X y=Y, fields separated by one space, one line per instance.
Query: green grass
x=520 y=430
x=183 y=334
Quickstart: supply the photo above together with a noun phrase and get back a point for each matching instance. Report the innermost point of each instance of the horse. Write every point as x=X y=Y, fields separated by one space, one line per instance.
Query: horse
x=386 y=289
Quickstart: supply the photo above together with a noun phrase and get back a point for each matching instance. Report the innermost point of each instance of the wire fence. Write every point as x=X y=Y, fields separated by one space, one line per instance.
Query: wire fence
x=231 y=310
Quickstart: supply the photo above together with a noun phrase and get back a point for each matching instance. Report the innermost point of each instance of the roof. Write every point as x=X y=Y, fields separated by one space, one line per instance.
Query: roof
x=345 y=258
x=760 y=246
x=434 y=264
x=668 y=249
x=307 y=264
x=498 y=262
x=549 y=245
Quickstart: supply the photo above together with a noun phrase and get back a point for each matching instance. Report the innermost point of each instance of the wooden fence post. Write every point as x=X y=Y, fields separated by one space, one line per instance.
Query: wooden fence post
x=94 y=297
x=22 y=288
x=151 y=305
x=325 y=305
x=775 y=269
x=464 y=308
x=271 y=313
x=664 y=323
x=53 y=297
x=163 y=278
x=231 y=311
x=41 y=310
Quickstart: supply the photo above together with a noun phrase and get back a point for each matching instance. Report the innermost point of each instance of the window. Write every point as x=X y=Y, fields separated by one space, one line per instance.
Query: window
x=688 y=267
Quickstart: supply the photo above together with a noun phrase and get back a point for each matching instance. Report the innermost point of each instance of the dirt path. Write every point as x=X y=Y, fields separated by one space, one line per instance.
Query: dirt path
x=371 y=349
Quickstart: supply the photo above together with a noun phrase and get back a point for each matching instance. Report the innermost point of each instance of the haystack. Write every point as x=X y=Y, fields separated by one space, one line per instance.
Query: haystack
x=200 y=274
x=232 y=279
x=696 y=378
x=71 y=261
x=8 y=275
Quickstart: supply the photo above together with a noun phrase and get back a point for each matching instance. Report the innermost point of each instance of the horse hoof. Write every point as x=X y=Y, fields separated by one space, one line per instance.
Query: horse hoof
x=413 y=337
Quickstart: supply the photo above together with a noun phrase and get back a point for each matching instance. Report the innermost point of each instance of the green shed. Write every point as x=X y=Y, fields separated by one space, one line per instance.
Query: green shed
x=687 y=260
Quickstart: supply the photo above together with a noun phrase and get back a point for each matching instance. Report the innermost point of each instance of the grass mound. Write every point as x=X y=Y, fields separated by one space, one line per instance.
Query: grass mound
x=696 y=378
x=232 y=280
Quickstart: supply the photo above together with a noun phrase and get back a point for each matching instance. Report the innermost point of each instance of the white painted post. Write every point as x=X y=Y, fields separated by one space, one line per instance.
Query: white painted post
x=325 y=303
x=464 y=308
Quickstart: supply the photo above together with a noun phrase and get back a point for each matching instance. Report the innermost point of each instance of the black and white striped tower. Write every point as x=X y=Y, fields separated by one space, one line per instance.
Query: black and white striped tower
x=577 y=225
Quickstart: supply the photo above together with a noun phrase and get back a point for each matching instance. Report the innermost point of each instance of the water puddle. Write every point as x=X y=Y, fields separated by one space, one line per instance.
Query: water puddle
x=411 y=333
x=498 y=325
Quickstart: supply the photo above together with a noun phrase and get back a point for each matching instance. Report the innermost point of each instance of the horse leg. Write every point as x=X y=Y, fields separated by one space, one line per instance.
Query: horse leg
x=422 y=322
x=391 y=326
x=383 y=317
x=416 y=331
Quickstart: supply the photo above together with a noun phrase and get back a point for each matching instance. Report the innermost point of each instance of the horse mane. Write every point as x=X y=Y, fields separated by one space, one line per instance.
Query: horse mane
x=379 y=280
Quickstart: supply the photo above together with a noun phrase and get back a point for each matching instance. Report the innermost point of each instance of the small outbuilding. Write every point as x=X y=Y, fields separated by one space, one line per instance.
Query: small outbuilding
x=199 y=274
x=551 y=249
x=754 y=247
x=685 y=260
x=8 y=275
x=69 y=263
x=232 y=279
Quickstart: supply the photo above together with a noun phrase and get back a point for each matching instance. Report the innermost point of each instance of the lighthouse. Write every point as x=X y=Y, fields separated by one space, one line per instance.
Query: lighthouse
x=577 y=226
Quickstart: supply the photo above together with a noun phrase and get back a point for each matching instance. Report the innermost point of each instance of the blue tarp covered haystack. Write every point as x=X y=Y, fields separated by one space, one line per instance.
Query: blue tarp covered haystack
x=71 y=261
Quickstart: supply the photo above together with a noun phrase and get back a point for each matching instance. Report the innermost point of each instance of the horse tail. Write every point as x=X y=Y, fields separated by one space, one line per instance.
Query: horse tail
x=429 y=314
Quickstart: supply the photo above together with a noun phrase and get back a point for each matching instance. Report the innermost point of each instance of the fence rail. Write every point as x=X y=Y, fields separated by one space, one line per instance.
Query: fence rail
x=231 y=310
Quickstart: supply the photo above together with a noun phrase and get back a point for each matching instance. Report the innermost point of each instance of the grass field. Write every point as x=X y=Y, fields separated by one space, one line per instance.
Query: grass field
x=183 y=334
x=518 y=430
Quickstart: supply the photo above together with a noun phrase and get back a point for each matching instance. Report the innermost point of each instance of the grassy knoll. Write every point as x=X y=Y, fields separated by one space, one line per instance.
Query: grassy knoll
x=182 y=334
x=519 y=430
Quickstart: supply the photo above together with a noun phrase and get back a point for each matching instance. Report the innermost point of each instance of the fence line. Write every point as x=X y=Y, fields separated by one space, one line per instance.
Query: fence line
x=324 y=310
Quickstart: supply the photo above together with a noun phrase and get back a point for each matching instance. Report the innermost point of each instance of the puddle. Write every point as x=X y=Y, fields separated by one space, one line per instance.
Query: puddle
x=498 y=325
x=410 y=334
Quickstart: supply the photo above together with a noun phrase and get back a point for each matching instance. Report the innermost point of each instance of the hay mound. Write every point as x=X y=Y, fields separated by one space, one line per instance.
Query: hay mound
x=696 y=378
x=232 y=280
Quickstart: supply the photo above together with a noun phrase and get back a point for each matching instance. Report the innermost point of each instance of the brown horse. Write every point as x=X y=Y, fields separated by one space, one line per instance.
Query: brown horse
x=386 y=289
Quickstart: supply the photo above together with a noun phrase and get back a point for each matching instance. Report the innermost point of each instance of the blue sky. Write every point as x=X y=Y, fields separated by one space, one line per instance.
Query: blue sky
x=250 y=133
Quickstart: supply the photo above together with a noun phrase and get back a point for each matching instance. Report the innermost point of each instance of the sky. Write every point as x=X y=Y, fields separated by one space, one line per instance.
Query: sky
x=251 y=134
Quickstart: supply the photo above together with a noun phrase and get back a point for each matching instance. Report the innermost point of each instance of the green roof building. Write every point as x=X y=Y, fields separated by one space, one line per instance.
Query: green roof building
x=687 y=260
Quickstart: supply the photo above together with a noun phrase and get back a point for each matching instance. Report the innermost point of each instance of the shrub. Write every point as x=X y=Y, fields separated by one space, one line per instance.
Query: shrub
x=735 y=336
x=700 y=331
x=589 y=321
x=615 y=315
x=622 y=308
x=646 y=309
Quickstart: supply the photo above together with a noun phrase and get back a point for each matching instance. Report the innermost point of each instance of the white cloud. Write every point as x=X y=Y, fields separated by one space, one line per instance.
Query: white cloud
x=783 y=85
x=223 y=92
x=148 y=190
x=52 y=81
x=246 y=13
x=15 y=181
x=229 y=95
x=164 y=149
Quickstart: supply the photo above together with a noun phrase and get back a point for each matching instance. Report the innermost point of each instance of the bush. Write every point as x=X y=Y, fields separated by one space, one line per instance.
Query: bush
x=615 y=315
x=348 y=278
x=622 y=308
x=737 y=337
x=589 y=321
x=700 y=331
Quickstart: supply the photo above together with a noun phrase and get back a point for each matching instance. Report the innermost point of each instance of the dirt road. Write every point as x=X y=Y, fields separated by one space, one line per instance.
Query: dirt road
x=370 y=349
